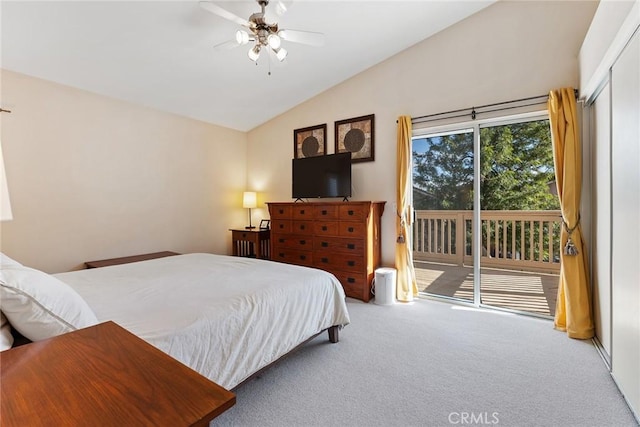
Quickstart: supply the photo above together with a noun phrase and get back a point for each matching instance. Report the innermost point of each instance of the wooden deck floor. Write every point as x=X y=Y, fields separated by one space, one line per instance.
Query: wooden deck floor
x=516 y=290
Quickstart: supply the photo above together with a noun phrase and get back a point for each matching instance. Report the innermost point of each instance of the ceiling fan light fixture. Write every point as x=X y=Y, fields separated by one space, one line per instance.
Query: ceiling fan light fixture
x=274 y=41
x=242 y=37
x=281 y=53
x=254 y=53
x=261 y=32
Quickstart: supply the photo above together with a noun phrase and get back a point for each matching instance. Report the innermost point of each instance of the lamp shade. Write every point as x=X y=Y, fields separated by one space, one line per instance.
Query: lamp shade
x=242 y=37
x=5 y=203
x=249 y=199
x=254 y=53
x=281 y=54
x=274 y=41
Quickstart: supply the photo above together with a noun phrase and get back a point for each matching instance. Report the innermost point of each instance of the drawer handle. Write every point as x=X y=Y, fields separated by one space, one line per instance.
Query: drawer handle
x=303 y=242
x=351 y=263
x=351 y=280
x=281 y=211
x=324 y=228
x=324 y=212
x=244 y=235
x=281 y=255
x=302 y=227
x=350 y=213
x=303 y=257
x=301 y=211
x=324 y=244
x=281 y=240
x=325 y=260
x=350 y=229
x=281 y=225
x=351 y=246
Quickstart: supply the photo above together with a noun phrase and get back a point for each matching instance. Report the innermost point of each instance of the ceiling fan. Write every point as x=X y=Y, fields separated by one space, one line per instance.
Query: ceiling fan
x=263 y=34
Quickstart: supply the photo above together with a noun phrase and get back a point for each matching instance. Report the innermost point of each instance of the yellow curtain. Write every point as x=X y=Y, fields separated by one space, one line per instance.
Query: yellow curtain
x=406 y=284
x=573 y=307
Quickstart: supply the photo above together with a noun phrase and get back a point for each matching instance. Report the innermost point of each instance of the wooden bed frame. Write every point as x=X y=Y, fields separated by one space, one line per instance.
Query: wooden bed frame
x=333 y=338
x=19 y=339
x=333 y=333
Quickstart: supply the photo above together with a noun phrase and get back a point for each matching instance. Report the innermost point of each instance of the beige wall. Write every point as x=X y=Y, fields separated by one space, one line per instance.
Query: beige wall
x=507 y=51
x=91 y=177
x=611 y=26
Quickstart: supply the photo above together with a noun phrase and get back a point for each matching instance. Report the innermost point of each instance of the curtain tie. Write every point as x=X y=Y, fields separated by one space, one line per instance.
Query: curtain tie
x=401 y=238
x=570 y=247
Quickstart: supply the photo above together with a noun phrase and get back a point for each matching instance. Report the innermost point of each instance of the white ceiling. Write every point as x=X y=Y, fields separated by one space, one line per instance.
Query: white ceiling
x=160 y=53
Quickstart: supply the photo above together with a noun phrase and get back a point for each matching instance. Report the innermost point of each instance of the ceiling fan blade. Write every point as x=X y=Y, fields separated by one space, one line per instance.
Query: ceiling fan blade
x=229 y=44
x=277 y=9
x=281 y=6
x=305 y=37
x=223 y=13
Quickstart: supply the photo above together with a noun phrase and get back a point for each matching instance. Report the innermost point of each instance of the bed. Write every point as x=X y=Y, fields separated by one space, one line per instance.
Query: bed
x=225 y=317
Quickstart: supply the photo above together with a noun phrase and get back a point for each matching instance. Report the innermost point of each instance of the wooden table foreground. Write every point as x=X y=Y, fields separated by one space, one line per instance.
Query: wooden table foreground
x=103 y=376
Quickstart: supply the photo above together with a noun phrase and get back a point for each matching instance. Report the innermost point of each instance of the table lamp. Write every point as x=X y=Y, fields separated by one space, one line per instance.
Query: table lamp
x=249 y=201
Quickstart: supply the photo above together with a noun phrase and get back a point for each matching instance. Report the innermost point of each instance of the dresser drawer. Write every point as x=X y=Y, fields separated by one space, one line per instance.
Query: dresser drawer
x=281 y=225
x=280 y=212
x=302 y=211
x=327 y=260
x=322 y=212
x=292 y=241
x=353 y=212
x=326 y=228
x=355 y=284
x=340 y=237
x=302 y=227
x=339 y=244
x=352 y=229
x=292 y=256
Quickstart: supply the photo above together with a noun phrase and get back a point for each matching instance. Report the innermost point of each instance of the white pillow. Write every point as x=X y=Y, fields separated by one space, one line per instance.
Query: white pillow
x=6 y=262
x=6 y=339
x=40 y=306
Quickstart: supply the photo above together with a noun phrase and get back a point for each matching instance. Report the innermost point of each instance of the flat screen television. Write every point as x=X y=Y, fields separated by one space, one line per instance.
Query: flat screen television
x=321 y=176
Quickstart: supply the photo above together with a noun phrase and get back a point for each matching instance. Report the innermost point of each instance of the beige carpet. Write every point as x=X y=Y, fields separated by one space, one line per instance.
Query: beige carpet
x=435 y=364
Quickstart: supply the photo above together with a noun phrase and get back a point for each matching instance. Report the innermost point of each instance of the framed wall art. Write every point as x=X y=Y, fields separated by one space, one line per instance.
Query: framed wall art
x=357 y=136
x=310 y=142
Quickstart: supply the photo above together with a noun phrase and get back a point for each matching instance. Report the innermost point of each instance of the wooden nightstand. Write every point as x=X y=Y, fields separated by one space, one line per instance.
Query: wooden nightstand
x=127 y=259
x=104 y=375
x=251 y=243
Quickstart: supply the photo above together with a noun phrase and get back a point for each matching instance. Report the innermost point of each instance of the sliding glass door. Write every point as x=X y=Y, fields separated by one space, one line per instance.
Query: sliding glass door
x=443 y=171
x=487 y=223
x=519 y=217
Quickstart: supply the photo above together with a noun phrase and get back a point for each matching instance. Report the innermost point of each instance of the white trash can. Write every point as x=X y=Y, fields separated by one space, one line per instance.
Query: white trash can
x=384 y=286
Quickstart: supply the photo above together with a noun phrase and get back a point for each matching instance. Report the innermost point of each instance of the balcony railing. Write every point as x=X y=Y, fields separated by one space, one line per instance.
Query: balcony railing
x=513 y=240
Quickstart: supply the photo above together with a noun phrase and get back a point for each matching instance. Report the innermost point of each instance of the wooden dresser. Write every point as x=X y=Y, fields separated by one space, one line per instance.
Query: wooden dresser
x=104 y=375
x=340 y=237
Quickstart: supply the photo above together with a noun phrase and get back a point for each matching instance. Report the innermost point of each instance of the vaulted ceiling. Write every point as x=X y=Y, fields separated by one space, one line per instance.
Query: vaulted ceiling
x=160 y=53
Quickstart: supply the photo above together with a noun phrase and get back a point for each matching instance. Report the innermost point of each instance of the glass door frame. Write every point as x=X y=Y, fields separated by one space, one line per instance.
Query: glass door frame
x=476 y=226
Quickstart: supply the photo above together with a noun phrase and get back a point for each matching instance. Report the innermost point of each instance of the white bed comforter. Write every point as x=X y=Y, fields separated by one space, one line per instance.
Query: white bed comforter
x=226 y=317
